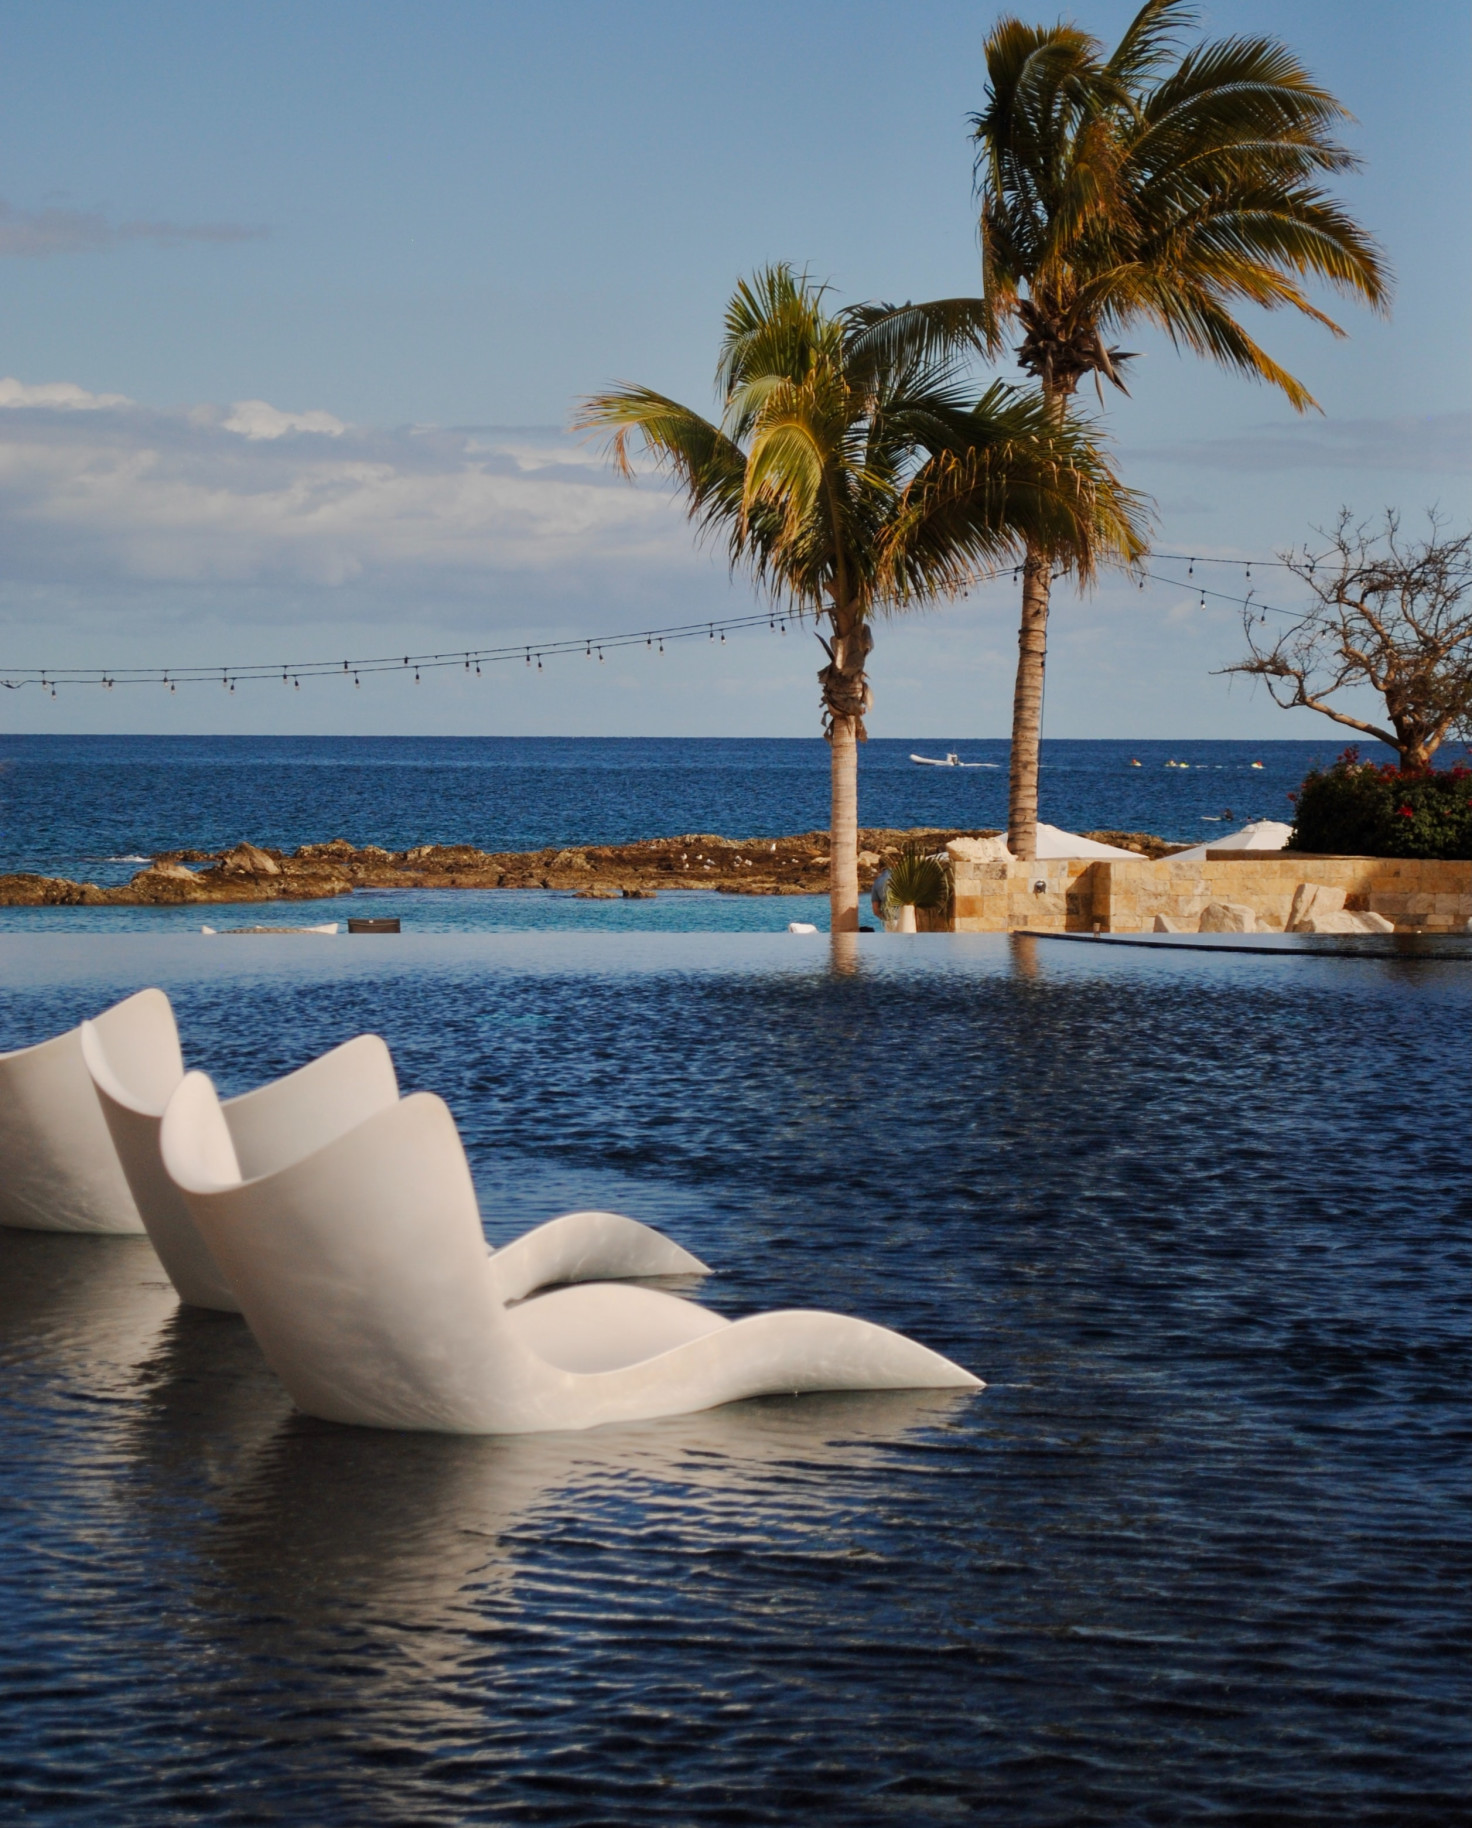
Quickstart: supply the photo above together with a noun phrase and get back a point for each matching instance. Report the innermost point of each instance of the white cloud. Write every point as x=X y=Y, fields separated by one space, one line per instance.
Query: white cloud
x=259 y=419
x=63 y=394
x=97 y=491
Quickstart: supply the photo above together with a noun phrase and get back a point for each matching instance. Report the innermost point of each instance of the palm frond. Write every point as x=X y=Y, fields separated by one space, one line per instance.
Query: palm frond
x=1149 y=40
x=1107 y=184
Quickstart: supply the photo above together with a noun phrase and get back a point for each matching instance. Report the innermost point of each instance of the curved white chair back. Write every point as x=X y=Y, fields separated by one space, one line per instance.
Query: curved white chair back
x=134 y=1073
x=364 y=1275
x=59 y=1170
x=279 y=1123
x=362 y=1269
x=268 y=1128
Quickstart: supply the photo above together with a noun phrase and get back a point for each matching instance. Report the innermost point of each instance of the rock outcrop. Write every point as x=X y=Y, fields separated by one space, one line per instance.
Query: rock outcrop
x=698 y=860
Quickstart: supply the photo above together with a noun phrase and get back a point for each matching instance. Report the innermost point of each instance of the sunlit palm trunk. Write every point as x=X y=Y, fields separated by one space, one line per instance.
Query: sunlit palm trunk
x=1027 y=708
x=1027 y=694
x=843 y=844
x=846 y=697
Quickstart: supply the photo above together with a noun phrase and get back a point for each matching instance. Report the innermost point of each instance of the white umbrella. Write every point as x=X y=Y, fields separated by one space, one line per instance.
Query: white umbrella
x=1054 y=844
x=1260 y=835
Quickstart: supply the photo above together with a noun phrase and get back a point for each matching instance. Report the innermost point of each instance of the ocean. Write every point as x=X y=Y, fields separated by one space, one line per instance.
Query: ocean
x=91 y=807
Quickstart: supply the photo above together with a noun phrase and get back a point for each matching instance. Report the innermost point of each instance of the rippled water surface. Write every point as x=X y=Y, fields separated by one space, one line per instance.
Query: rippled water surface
x=1199 y=1552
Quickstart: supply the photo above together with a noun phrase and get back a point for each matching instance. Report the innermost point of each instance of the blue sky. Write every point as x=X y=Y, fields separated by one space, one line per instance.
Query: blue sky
x=299 y=300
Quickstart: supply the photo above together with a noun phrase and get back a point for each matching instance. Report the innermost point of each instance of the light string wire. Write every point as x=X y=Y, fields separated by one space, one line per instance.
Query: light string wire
x=590 y=646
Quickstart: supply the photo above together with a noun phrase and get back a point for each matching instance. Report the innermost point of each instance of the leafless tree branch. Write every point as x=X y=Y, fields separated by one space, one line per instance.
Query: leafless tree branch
x=1391 y=613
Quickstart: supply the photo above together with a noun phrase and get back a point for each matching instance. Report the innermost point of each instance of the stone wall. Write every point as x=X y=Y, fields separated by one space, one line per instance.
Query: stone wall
x=998 y=897
x=1119 y=896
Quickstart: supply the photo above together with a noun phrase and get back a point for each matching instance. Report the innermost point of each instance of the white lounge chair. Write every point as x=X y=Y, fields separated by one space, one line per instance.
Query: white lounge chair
x=135 y=1069
x=58 y=1168
x=364 y=1276
x=135 y=1065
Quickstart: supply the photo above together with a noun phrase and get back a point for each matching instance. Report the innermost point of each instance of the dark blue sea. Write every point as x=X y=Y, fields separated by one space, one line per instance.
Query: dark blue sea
x=1200 y=1552
x=78 y=805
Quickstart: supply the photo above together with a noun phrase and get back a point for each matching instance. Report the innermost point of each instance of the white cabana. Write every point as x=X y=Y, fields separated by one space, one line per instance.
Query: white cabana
x=1054 y=844
x=1260 y=835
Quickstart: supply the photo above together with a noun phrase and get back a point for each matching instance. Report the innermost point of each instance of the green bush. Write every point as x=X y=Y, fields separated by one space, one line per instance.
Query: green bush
x=918 y=878
x=1370 y=809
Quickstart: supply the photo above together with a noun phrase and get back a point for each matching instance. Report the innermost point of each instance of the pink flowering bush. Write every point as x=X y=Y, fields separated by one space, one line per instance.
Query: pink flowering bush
x=1375 y=809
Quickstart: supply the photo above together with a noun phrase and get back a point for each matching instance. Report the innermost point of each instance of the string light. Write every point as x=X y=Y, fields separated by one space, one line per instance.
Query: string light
x=653 y=640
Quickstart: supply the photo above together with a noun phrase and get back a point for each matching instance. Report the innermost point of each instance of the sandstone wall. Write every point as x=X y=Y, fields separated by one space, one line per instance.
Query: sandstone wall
x=997 y=897
x=1417 y=894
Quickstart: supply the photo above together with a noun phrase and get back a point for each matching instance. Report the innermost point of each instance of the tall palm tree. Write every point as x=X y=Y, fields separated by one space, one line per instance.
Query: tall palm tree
x=850 y=481
x=1152 y=184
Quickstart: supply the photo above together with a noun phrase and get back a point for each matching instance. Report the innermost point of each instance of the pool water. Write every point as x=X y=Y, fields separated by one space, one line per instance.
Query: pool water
x=448 y=911
x=1198 y=1551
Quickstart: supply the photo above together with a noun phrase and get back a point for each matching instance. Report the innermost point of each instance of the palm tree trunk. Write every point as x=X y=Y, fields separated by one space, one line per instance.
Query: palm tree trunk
x=1027 y=695
x=843 y=839
x=846 y=697
x=1027 y=708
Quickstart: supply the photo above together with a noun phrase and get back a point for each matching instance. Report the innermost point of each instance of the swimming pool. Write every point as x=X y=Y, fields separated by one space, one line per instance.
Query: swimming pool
x=1199 y=1548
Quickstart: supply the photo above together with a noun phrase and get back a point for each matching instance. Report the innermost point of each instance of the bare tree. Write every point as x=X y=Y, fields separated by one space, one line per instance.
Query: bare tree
x=1389 y=613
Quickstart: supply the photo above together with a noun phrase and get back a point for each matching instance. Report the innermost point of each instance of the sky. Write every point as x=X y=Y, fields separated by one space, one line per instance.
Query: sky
x=300 y=299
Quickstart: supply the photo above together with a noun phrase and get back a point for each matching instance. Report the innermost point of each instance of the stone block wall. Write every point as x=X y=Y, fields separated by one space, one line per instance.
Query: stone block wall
x=999 y=897
x=1416 y=894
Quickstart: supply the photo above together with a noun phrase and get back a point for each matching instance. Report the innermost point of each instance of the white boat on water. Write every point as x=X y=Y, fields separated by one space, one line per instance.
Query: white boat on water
x=950 y=760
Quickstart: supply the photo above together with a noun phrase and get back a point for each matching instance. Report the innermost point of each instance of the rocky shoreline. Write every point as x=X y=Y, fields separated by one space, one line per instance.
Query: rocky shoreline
x=697 y=861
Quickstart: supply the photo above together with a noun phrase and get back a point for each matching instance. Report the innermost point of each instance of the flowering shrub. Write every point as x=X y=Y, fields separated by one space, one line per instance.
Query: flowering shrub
x=1373 y=809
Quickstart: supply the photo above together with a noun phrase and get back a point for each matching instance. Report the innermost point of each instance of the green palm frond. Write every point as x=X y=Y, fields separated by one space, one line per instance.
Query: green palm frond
x=1158 y=183
x=917 y=879
x=856 y=470
x=1149 y=42
x=1020 y=480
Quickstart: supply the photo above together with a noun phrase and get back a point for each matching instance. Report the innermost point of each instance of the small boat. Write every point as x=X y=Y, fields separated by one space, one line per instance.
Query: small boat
x=1135 y=762
x=1254 y=764
x=950 y=760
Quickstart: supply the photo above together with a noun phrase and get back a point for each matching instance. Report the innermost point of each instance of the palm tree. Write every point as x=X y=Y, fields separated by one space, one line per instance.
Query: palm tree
x=1148 y=185
x=848 y=481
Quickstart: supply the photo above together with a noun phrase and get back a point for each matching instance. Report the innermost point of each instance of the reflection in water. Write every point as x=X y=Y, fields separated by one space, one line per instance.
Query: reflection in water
x=844 y=956
x=92 y=1304
x=1024 y=949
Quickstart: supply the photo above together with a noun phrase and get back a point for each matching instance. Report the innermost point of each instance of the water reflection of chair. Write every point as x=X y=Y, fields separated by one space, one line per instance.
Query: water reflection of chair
x=416 y=1535
x=363 y=1272
x=58 y=1168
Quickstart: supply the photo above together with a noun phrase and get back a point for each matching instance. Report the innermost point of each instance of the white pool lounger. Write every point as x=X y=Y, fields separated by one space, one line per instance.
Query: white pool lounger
x=133 y=1058
x=136 y=1069
x=58 y=1168
x=364 y=1275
